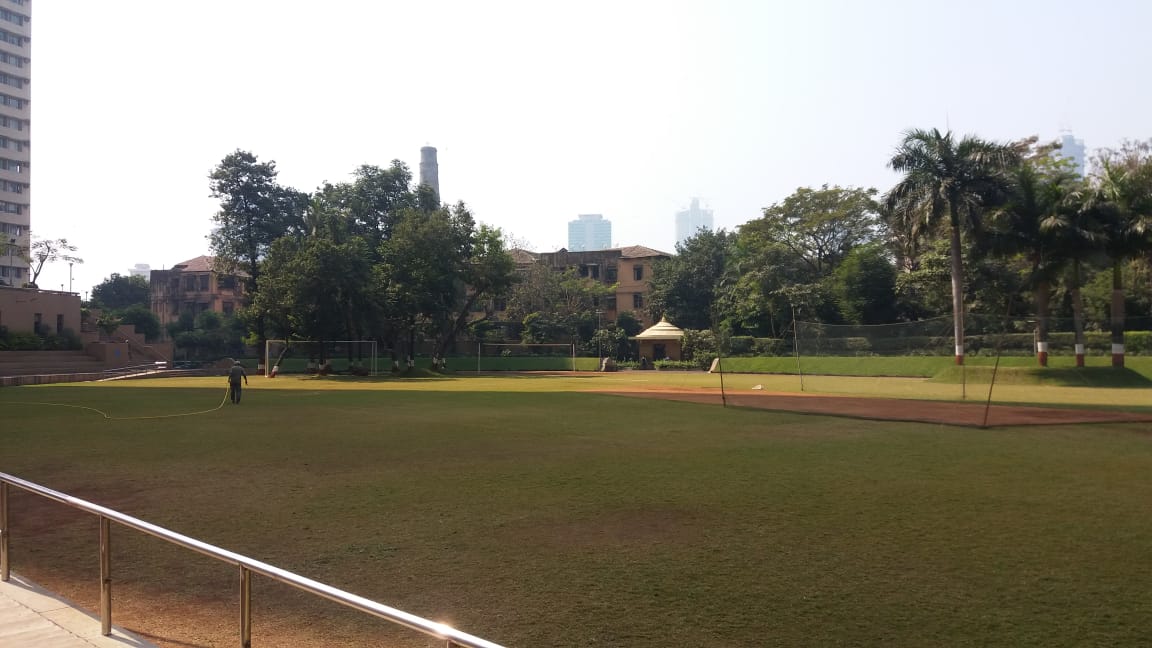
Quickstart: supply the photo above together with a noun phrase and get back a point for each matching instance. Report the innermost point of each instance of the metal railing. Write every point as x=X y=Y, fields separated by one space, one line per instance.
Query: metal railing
x=248 y=566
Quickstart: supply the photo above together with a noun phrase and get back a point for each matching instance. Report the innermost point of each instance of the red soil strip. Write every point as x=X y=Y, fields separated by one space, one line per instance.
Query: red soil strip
x=888 y=409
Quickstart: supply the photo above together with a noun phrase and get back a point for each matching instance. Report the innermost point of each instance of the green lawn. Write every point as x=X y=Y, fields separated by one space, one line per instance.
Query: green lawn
x=531 y=514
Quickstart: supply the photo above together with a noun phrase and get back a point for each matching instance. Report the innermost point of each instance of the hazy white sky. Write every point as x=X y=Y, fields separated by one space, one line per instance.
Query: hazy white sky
x=542 y=110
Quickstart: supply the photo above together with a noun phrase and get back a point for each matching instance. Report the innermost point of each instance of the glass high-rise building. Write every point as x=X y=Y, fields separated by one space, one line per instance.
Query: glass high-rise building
x=690 y=221
x=589 y=232
x=1073 y=150
x=15 y=138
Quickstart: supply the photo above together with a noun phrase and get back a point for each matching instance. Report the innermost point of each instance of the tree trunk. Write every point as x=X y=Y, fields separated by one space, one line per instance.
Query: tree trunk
x=957 y=294
x=1117 y=315
x=1043 y=296
x=1077 y=313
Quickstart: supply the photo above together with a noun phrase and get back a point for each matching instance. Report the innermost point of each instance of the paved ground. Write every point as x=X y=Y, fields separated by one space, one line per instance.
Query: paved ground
x=31 y=617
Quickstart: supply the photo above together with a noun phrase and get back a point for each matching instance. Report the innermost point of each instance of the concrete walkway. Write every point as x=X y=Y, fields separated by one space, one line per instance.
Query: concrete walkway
x=31 y=617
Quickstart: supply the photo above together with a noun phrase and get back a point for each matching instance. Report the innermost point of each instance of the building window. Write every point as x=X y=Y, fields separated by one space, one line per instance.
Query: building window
x=637 y=300
x=14 y=81
x=228 y=308
x=14 y=18
x=13 y=39
x=189 y=284
x=13 y=102
x=610 y=303
x=638 y=272
x=204 y=283
x=226 y=282
x=610 y=274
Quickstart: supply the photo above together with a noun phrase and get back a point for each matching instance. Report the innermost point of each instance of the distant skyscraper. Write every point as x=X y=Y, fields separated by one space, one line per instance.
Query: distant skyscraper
x=140 y=270
x=690 y=221
x=589 y=232
x=1072 y=149
x=430 y=169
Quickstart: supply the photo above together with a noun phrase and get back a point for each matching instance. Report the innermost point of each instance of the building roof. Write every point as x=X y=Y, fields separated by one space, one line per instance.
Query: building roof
x=201 y=263
x=639 y=252
x=662 y=330
x=522 y=257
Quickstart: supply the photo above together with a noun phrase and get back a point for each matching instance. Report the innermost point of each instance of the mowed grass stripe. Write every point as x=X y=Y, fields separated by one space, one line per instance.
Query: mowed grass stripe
x=539 y=517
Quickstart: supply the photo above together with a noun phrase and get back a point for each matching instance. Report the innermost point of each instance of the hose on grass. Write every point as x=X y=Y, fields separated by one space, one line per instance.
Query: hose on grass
x=127 y=418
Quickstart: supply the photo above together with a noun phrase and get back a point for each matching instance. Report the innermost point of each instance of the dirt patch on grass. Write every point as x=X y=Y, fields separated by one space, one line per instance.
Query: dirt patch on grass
x=890 y=409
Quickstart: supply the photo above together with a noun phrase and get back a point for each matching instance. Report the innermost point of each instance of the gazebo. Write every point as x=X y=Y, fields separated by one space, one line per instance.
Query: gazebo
x=661 y=342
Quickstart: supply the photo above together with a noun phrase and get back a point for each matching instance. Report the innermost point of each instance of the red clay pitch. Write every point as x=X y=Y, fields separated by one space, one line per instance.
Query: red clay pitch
x=885 y=409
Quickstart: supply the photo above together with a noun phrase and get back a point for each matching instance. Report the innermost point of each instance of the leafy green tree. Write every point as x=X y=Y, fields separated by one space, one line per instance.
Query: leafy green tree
x=1123 y=184
x=821 y=226
x=372 y=203
x=254 y=211
x=948 y=184
x=43 y=251
x=141 y=317
x=684 y=288
x=435 y=267
x=629 y=323
x=556 y=306
x=117 y=292
x=865 y=286
x=317 y=287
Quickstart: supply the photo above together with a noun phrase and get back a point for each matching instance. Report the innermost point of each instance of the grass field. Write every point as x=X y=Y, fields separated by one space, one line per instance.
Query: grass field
x=531 y=513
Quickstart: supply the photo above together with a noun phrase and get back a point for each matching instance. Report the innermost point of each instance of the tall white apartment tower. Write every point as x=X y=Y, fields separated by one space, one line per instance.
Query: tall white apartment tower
x=15 y=138
x=589 y=232
x=690 y=221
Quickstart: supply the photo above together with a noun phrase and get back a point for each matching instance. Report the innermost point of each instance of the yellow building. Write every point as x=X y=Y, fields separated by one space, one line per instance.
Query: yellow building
x=630 y=268
x=194 y=287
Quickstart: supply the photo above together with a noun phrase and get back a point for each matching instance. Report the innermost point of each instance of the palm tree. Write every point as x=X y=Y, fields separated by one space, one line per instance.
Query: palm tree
x=1077 y=232
x=952 y=180
x=1039 y=191
x=1123 y=185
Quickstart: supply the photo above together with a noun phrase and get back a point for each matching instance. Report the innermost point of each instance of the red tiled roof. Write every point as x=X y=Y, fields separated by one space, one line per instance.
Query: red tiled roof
x=201 y=263
x=639 y=251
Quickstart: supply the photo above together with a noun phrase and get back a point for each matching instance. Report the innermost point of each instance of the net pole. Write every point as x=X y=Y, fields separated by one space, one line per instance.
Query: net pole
x=573 y=357
x=796 y=348
x=478 y=347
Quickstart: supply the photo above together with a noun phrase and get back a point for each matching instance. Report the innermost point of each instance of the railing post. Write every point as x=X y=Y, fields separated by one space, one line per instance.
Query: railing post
x=245 y=607
x=105 y=576
x=5 y=572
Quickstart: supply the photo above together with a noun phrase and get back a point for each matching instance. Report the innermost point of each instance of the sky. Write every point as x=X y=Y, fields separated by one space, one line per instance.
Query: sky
x=542 y=111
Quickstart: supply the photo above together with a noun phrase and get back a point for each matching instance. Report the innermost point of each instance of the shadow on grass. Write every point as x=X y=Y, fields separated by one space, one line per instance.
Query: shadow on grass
x=1103 y=377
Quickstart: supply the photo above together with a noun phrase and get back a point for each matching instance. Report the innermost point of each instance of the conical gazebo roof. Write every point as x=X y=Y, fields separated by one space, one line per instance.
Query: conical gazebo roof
x=662 y=330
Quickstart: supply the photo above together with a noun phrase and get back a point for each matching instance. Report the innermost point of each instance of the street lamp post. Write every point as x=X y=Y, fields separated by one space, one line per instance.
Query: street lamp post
x=69 y=276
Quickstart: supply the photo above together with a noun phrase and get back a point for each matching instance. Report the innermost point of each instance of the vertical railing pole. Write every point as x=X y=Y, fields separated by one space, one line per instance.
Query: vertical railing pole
x=5 y=573
x=245 y=607
x=105 y=576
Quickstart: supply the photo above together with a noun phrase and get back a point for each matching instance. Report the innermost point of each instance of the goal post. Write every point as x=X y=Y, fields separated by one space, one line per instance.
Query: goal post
x=351 y=357
x=491 y=356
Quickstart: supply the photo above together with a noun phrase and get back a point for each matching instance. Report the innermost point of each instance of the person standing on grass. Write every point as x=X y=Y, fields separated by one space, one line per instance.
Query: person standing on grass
x=234 y=376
